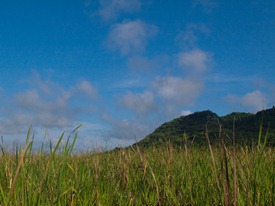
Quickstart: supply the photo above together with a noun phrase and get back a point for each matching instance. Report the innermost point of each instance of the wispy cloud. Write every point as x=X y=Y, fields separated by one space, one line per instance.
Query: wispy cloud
x=228 y=78
x=111 y=9
x=129 y=83
x=207 y=5
x=147 y=64
x=130 y=37
x=189 y=38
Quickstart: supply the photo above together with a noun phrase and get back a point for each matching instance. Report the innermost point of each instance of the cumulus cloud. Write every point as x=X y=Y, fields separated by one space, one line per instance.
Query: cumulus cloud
x=111 y=9
x=256 y=100
x=196 y=60
x=47 y=104
x=35 y=108
x=164 y=98
x=130 y=36
x=85 y=88
x=140 y=103
x=253 y=101
x=192 y=58
x=178 y=91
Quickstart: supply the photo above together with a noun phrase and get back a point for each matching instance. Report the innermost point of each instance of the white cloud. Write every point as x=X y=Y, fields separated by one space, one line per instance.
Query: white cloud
x=164 y=98
x=130 y=36
x=192 y=58
x=256 y=100
x=86 y=88
x=196 y=60
x=186 y=112
x=178 y=91
x=35 y=108
x=111 y=9
x=47 y=104
x=140 y=103
x=252 y=101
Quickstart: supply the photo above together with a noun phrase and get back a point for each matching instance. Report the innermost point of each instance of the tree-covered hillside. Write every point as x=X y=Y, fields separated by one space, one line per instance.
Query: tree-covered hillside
x=192 y=128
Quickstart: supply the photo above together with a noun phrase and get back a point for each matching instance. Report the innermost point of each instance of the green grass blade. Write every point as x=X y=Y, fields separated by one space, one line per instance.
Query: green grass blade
x=58 y=143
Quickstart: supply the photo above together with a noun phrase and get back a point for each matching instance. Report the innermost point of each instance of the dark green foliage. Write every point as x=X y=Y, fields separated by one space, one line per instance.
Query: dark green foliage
x=192 y=128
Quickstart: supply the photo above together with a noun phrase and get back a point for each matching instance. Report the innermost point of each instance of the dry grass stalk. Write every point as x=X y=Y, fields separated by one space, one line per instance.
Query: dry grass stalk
x=213 y=160
x=124 y=170
x=170 y=163
x=187 y=157
x=224 y=167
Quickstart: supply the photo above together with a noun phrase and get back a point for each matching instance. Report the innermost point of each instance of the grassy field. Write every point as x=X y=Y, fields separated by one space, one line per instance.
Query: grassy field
x=157 y=176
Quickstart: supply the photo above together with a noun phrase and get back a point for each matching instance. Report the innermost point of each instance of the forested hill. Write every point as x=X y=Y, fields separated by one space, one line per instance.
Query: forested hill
x=192 y=128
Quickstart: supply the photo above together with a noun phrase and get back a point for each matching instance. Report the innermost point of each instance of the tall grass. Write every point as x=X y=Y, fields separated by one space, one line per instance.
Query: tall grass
x=165 y=175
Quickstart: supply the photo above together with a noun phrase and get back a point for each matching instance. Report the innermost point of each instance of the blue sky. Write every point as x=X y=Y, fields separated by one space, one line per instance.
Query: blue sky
x=125 y=67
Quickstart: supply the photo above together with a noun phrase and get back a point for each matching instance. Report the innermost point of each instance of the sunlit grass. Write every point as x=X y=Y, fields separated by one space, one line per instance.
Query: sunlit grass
x=166 y=175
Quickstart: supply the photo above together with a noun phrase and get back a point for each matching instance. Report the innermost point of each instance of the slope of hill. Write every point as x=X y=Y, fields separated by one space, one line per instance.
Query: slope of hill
x=192 y=128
